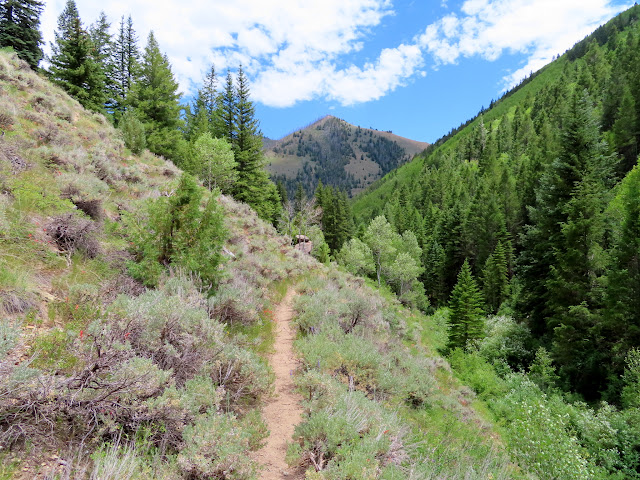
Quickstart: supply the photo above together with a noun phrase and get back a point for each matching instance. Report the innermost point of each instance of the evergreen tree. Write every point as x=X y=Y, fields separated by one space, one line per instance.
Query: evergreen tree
x=103 y=52
x=155 y=98
x=73 y=63
x=205 y=112
x=247 y=143
x=20 y=29
x=495 y=279
x=227 y=107
x=622 y=315
x=465 y=319
x=126 y=67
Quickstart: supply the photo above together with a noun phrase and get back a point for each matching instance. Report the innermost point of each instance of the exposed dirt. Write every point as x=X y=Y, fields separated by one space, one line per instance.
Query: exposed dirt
x=283 y=411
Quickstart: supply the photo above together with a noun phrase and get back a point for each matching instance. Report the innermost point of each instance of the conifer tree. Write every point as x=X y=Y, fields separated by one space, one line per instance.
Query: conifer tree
x=495 y=279
x=622 y=313
x=20 y=29
x=465 y=319
x=204 y=116
x=227 y=106
x=155 y=98
x=103 y=52
x=126 y=67
x=73 y=63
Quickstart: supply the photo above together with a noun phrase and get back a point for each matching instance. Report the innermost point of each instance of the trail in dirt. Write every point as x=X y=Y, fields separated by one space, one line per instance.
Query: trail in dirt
x=283 y=411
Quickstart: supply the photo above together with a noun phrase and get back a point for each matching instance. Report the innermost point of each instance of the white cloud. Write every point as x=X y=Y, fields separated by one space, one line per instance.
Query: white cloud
x=303 y=50
x=539 y=29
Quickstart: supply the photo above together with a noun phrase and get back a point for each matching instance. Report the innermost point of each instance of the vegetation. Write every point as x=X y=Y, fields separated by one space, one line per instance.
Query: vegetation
x=337 y=154
x=135 y=301
x=526 y=194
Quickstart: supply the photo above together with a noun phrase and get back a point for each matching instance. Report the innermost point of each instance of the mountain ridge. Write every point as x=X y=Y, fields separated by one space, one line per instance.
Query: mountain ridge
x=337 y=153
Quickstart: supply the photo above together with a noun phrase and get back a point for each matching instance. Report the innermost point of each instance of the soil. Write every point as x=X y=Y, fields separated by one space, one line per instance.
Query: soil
x=283 y=410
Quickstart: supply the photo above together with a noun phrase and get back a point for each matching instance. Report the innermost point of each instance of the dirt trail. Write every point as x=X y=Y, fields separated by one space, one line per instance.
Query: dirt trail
x=283 y=411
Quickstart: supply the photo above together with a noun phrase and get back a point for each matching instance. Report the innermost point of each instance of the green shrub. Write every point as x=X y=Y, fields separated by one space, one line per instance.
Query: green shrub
x=506 y=340
x=474 y=371
x=539 y=433
x=216 y=447
x=176 y=231
x=133 y=132
x=348 y=436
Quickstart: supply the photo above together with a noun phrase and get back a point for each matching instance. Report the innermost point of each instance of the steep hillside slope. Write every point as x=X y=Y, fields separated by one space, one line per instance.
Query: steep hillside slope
x=104 y=376
x=338 y=154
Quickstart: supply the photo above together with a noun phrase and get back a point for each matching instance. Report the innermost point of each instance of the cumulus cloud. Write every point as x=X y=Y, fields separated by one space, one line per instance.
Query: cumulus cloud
x=298 y=51
x=539 y=29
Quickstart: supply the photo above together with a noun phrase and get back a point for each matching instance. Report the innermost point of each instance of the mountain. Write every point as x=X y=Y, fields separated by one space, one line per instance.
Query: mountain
x=139 y=313
x=542 y=182
x=338 y=154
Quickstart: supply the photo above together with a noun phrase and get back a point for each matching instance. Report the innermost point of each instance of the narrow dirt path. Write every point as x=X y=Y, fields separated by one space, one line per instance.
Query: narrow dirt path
x=283 y=411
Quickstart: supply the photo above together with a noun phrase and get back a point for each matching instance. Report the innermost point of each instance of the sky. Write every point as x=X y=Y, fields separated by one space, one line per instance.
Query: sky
x=415 y=67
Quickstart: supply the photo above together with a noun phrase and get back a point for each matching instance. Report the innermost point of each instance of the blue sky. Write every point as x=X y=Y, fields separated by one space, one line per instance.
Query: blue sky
x=417 y=68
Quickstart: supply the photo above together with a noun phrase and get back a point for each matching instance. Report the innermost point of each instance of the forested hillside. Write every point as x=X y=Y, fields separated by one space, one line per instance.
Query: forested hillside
x=473 y=315
x=137 y=321
x=337 y=154
x=538 y=196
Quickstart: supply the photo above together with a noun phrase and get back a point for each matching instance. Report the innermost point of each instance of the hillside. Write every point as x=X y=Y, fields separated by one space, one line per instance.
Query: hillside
x=530 y=211
x=338 y=154
x=113 y=365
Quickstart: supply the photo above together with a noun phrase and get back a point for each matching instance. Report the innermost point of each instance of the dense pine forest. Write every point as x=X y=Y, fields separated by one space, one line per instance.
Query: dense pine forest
x=474 y=314
x=538 y=195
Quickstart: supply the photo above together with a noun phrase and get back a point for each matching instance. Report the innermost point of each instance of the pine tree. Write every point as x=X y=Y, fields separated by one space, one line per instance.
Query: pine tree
x=227 y=111
x=247 y=144
x=465 y=319
x=155 y=98
x=20 y=29
x=495 y=279
x=126 y=67
x=622 y=315
x=103 y=51
x=205 y=112
x=73 y=63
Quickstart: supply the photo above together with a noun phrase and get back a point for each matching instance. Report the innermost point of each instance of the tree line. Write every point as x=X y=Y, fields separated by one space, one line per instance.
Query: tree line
x=217 y=138
x=532 y=211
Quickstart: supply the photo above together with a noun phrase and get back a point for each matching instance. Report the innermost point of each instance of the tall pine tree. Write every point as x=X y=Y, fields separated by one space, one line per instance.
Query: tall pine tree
x=73 y=62
x=20 y=29
x=466 y=323
x=126 y=67
x=155 y=99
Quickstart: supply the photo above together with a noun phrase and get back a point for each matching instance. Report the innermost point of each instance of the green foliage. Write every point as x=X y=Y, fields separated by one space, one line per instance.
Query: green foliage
x=177 y=231
x=155 y=100
x=133 y=132
x=20 y=29
x=215 y=447
x=73 y=64
x=631 y=378
x=495 y=279
x=356 y=257
x=214 y=163
x=125 y=72
x=466 y=323
x=506 y=340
